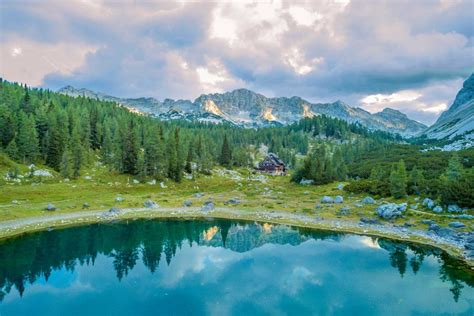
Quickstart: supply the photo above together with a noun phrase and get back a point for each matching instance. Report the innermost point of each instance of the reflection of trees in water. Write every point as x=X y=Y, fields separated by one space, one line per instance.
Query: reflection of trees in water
x=450 y=270
x=27 y=258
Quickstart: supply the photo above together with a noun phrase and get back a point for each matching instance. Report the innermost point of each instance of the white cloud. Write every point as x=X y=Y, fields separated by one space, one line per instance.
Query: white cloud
x=401 y=96
x=303 y=16
x=29 y=61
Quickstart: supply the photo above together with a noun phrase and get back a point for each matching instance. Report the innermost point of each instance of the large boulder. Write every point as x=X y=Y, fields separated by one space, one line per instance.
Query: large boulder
x=327 y=200
x=391 y=210
x=438 y=209
x=456 y=225
x=453 y=208
x=368 y=200
x=429 y=203
x=150 y=204
x=50 y=207
x=339 y=199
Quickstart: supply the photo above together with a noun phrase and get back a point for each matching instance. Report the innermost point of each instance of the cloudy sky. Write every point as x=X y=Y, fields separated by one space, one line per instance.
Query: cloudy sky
x=408 y=55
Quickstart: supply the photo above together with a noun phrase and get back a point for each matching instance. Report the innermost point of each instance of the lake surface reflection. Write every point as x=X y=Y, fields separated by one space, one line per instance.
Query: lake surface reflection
x=225 y=268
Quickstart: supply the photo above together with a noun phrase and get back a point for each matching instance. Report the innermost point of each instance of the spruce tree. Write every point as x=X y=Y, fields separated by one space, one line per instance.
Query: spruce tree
x=189 y=159
x=398 y=180
x=27 y=139
x=416 y=180
x=226 y=154
x=76 y=152
x=130 y=150
x=455 y=168
x=65 y=166
x=12 y=150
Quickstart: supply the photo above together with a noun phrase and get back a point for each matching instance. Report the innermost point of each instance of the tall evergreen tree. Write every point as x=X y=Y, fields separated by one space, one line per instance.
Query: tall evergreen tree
x=398 y=180
x=130 y=150
x=455 y=168
x=225 y=158
x=417 y=180
x=65 y=166
x=27 y=139
x=77 y=152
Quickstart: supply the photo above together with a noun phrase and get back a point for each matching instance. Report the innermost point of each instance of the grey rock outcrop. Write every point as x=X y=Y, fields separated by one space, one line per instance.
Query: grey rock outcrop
x=391 y=210
x=50 y=207
x=327 y=200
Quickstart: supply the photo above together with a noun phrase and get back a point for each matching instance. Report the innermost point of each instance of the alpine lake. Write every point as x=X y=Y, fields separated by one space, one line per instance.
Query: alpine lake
x=221 y=267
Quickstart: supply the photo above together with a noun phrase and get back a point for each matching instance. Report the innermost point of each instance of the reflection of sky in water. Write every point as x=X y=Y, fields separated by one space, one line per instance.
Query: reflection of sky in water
x=347 y=277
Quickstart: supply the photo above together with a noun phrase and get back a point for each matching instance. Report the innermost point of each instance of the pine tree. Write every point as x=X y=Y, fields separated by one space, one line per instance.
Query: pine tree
x=189 y=159
x=398 y=180
x=417 y=180
x=27 y=139
x=455 y=168
x=12 y=150
x=65 y=167
x=130 y=150
x=226 y=154
x=77 y=152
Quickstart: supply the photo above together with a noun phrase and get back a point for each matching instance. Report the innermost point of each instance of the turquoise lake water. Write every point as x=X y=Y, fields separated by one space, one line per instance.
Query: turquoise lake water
x=218 y=267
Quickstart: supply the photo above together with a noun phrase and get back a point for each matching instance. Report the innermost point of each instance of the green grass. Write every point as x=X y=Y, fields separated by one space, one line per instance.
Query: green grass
x=278 y=193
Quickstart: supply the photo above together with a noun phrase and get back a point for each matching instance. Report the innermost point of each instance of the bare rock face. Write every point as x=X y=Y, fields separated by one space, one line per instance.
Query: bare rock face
x=459 y=118
x=246 y=108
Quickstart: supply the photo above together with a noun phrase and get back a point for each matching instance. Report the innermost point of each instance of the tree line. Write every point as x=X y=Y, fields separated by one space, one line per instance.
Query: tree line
x=67 y=134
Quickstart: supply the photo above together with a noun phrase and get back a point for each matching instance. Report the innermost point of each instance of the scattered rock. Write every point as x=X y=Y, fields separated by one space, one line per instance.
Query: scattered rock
x=464 y=216
x=358 y=205
x=327 y=199
x=208 y=206
x=453 y=208
x=438 y=209
x=391 y=210
x=456 y=225
x=150 y=204
x=152 y=182
x=414 y=206
x=87 y=178
x=339 y=199
x=187 y=203
x=42 y=173
x=198 y=195
x=306 y=192
x=50 y=207
x=340 y=186
x=368 y=200
x=232 y=202
x=135 y=181
x=15 y=202
x=429 y=203
x=163 y=185
x=85 y=205
x=115 y=210
x=306 y=182
x=367 y=220
x=428 y=222
x=344 y=211
x=119 y=199
x=319 y=206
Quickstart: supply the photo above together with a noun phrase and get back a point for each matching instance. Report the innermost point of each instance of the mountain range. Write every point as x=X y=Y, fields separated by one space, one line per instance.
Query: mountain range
x=246 y=108
x=458 y=120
